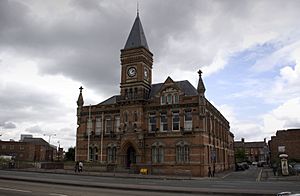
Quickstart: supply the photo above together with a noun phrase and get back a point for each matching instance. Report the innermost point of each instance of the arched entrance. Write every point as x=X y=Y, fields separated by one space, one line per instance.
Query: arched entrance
x=130 y=156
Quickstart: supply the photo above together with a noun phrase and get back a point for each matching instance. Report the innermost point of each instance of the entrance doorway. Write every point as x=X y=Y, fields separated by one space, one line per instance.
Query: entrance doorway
x=131 y=156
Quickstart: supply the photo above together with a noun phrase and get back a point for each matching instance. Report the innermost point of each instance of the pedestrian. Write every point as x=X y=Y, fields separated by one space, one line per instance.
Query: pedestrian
x=80 y=166
x=209 y=172
x=77 y=166
x=274 y=167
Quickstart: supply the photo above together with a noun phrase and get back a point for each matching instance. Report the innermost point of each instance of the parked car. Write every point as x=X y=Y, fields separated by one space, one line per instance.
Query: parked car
x=239 y=167
x=245 y=165
x=261 y=163
x=254 y=163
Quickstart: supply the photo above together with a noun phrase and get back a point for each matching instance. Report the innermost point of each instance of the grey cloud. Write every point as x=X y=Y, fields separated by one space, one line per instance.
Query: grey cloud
x=34 y=129
x=19 y=103
x=8 y=125
x=292 y=123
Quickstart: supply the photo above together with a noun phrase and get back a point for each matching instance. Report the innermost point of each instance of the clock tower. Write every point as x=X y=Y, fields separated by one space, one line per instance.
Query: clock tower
x=136 y=65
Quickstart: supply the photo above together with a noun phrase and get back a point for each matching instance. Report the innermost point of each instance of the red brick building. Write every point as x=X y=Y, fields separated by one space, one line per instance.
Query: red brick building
x=165 y=127
x=254 y=151
x=28 y=149
x=287 y=142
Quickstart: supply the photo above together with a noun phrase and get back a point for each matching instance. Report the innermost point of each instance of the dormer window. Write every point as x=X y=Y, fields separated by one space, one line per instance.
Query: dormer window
x=163 y=100
x=169 y=96
x=169 y=99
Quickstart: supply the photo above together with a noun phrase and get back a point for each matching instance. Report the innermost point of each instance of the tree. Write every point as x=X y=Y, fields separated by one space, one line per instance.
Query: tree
x=70 y=155
x=240 y=155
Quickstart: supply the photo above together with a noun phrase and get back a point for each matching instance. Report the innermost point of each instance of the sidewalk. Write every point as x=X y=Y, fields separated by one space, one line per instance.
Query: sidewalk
x=267 y=175
x=137 y=187
x=125 y=175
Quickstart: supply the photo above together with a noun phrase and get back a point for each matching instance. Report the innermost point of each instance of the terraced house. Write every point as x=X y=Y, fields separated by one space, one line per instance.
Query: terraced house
x=166 y=127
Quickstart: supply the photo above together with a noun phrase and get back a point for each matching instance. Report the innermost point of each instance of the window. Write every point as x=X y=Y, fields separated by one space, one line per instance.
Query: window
x=188 y=123
x=3 y=147
x=175 y=121
x=163 y=122
x=172 y=98
x=93 y=154
x=157 y=152
x=176 y=99
x=152 y=122
x=117 y=123
x=163 y=100
x=182 y=152
x=169 y=99
x=21 y=147
x=108 y=125
x=135 y=116
x=111 y=154
x=98 y=126
x=12 y=147
x=89 y=126
x=126 y=117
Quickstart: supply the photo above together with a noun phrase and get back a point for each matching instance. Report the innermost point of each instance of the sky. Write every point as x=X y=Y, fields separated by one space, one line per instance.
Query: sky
x=248 y=50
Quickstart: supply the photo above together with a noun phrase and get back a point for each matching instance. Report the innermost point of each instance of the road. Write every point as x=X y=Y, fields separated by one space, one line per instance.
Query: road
x=235 y=182
x=18 y=188
x=251 y=174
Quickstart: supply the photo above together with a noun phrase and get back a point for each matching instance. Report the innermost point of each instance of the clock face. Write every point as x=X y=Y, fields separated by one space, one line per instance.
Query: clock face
x=131 y=72
x=145 y=73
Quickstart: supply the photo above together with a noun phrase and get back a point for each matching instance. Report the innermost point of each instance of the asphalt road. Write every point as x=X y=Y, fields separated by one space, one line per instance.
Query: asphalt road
x=251 y=174
x=236 y=182
x=18 y=188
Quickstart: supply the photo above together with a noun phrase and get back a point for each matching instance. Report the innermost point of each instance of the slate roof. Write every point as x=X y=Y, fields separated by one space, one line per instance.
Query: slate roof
x=38 y=141
x=240 y=144
x=185 y=86
x=111 y=100
x=136 y=36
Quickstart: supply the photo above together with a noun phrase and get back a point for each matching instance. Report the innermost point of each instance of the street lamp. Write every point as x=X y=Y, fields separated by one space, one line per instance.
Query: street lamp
x=49 y=135
x=58 y=152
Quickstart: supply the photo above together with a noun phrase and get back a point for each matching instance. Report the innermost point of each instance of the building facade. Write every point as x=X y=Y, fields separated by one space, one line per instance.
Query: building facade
x=28 y=149
x=285 y=142
x=164 y=127
x=254 y=151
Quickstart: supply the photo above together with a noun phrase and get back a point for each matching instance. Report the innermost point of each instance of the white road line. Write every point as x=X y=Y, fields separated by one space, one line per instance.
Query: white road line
x=259 y=175
x=57 y=194
x=16 y=190
x=226 y=175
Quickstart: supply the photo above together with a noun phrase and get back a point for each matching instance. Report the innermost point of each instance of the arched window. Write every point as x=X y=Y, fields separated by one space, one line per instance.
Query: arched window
x=135 y=116
x=182 y=152
x=111 y=153
x=157 y=152
x=93 y=153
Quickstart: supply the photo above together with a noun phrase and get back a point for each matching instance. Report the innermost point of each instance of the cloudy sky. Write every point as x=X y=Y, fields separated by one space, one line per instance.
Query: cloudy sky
x=249 y=52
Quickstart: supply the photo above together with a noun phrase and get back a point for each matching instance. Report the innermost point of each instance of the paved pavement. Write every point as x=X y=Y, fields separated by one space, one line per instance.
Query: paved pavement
x=267 y=175
x=222 y=184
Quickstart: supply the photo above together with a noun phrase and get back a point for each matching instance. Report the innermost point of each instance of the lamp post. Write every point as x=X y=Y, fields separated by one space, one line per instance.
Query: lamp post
x=58 y=152
x=89 y=126
x=49 y=135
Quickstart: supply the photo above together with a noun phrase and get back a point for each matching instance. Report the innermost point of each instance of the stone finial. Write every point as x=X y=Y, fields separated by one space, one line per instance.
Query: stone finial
x=80 y=101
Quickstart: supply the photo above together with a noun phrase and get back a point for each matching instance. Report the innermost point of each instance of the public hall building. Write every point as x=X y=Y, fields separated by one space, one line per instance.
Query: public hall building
x=167 y=128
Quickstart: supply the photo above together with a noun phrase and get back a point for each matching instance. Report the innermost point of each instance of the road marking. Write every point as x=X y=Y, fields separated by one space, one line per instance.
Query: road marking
x=16 y=190
x=259 y=175
x=57 y=194
x=226 y=175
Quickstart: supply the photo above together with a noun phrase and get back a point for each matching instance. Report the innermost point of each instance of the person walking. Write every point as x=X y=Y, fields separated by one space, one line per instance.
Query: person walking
x=274 y=167
x=80 y=166
x=209 y=172
x=76 y=166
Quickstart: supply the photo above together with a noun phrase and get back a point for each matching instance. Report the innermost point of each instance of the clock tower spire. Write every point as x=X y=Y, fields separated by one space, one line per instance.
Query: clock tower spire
x=136 y=65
